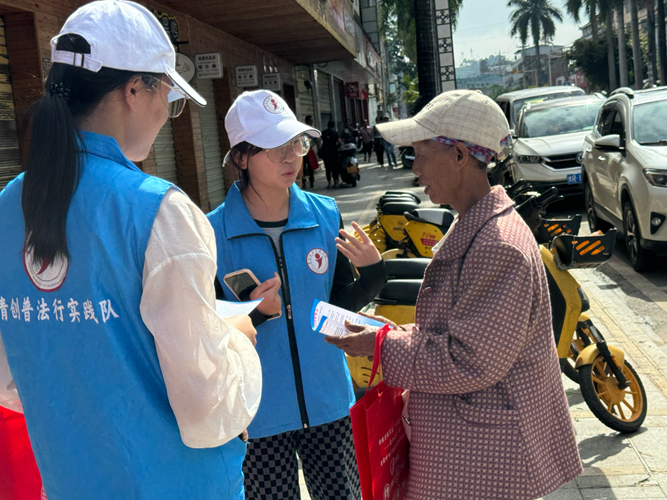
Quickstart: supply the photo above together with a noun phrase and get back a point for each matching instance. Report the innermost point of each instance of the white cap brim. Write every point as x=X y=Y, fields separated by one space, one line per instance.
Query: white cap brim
x=186 y=88
x=280 y=133
x=405 y=132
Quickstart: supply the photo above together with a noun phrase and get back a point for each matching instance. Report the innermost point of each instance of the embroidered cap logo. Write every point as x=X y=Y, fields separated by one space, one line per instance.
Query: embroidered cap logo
x=273 y=106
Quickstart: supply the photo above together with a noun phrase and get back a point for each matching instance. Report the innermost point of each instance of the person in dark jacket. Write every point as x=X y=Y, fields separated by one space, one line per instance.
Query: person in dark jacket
x=329 y=153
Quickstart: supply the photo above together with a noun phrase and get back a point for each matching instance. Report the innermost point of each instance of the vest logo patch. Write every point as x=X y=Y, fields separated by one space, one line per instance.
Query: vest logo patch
x=47 y=276
x=318 y=261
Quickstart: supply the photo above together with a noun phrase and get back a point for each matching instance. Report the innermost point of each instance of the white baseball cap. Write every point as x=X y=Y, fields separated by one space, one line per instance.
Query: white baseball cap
x=466 y=115
x=122 y=35
x=263 y=119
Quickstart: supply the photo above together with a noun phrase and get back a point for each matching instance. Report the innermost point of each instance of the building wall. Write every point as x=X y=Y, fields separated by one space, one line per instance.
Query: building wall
x=32 y=25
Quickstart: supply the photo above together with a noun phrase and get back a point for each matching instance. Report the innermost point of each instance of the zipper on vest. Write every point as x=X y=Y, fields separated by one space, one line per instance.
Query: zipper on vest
x=291 y=333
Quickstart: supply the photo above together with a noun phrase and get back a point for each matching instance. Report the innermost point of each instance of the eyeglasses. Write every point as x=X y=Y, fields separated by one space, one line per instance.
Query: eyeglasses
x=299 y=146
x=175 y=98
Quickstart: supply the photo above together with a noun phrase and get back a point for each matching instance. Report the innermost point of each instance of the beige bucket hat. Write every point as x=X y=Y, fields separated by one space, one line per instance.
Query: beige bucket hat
x=465 y=115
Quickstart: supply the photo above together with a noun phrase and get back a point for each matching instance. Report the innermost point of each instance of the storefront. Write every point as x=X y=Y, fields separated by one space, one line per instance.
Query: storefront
x=10 y=156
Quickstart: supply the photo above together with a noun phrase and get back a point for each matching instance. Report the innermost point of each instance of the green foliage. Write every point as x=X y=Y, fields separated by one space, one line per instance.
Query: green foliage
x=534 y=17
x=590 y=57
x=411 y=92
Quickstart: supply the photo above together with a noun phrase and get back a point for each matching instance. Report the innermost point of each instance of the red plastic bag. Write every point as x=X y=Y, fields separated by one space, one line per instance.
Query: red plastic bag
x=19 y=476
x=312 y=160
x=380 y=441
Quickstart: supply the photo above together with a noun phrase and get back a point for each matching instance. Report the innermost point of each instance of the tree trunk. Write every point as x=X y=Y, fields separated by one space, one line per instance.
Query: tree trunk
x=662 y=43
x=523 y=60
x=650 y=33
x=539 y=64
x=636 y=47
x=428 y=68
x=622 y=49
x=611 y=60
x=593 y=17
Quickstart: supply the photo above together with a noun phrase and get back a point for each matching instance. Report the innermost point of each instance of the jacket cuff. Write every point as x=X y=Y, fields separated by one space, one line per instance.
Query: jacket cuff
x=399 y=351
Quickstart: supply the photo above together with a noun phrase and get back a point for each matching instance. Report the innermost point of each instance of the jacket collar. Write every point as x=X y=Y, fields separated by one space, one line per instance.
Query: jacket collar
x=466 y=228
x=106 y=147
x=239 y=222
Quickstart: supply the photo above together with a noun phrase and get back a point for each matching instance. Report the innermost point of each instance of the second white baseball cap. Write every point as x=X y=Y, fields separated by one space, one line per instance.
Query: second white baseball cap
x=122 y=35
x=263 y=119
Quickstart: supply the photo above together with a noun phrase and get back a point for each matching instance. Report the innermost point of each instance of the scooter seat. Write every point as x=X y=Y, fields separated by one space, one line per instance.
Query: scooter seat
x=395 y=199
x=405 y=268
x=400 y=192
x=399 y=292
x=398 y=207
x=440 y=217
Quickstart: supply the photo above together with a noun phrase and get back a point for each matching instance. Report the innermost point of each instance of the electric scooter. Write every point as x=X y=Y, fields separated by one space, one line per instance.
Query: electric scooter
x=349 y=166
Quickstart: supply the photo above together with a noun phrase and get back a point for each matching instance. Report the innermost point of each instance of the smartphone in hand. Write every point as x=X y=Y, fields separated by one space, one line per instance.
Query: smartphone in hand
x=241 y=283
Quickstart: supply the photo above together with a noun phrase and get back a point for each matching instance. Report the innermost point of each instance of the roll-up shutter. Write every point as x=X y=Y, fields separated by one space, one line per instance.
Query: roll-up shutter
x=323 y=89
x=211 y=139
x=165 y=155
x=10 y=158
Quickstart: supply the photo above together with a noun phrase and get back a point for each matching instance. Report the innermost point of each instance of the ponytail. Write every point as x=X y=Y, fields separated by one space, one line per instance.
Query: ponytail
x=54 y=163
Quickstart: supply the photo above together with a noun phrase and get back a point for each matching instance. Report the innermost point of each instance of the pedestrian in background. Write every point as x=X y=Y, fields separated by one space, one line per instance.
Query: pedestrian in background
x=131 y=385
x=389 y=150
x=377 y=143
x=269 y=226
x=329 y=153
x=481 y=426
x=310 y=163
x=366 y=134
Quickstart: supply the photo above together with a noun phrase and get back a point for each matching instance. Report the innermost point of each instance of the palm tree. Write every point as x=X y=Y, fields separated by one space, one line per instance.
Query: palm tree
x=427 y=50
x=536 y=16
x=636 y=47
x=607 y=12
x=650 y=32
x=574 y=7
x=622 y=49
x=662 y=43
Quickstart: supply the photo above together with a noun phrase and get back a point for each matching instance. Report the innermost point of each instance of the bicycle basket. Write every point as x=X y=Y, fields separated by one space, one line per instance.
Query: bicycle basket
x=572 y=252
x=550 y=228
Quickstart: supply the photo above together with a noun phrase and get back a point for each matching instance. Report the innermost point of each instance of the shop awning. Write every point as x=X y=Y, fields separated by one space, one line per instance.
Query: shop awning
x=300 y=31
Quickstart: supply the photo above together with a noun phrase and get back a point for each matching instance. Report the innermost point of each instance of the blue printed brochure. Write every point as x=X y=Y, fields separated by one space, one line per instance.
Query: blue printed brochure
x=330 y=320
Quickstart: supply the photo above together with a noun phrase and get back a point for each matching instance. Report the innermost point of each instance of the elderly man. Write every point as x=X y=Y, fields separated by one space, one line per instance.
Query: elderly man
x=489 y=418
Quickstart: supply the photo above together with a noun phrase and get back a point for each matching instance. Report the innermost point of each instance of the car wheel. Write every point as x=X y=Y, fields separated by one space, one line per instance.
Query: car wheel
x=594 y=222
x=640 y=258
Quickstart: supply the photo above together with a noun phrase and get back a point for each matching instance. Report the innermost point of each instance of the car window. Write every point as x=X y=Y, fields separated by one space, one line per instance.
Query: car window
x=519 y=103
x=606 y=121
x=649 y=124
x=617 y=125
x=559 y=120
x=505 y=106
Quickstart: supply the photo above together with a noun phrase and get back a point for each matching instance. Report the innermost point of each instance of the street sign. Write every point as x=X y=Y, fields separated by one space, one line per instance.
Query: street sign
x=246 y=76
x=185 y=66
x=271 y=81
x=209 y=65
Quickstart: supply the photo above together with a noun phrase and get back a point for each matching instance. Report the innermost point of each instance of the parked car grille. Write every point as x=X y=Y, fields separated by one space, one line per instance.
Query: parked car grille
x=562 y=161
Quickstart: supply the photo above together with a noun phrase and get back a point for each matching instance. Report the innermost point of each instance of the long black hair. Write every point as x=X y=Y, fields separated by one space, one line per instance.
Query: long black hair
x=54 y=159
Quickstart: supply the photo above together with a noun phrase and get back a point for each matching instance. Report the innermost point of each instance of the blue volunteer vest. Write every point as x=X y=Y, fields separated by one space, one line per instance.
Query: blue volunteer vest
x=84 y=363
x=305 y=381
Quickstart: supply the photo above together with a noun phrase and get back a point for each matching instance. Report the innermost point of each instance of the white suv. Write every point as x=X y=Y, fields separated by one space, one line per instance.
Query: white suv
x=624 y=171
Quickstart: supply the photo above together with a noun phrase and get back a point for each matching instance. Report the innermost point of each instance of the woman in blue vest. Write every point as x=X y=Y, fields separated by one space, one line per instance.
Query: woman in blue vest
x=133 y=388
x=279 y=232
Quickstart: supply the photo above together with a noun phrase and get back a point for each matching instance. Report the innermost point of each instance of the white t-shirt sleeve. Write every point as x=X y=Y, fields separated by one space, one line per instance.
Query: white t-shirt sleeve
x=9 y=396
x=211 y=370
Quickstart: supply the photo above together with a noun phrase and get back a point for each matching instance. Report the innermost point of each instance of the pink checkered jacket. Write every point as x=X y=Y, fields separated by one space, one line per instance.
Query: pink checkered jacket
x=489 y=415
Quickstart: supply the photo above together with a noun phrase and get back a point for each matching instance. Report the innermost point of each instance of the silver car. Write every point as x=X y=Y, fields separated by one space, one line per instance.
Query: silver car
x=548 y=142
x=625 y=171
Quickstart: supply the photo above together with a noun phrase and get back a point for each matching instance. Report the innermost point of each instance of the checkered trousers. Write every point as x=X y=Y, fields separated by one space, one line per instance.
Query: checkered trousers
x=327 y=456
